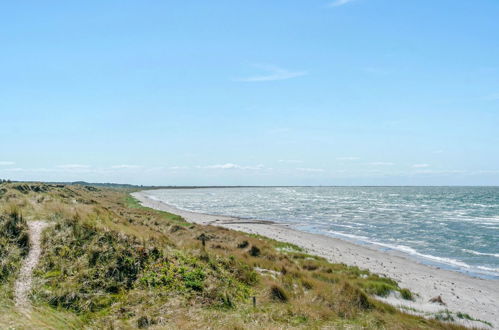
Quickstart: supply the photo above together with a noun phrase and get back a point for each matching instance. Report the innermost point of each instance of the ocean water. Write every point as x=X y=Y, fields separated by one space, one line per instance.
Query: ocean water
x=451 y=227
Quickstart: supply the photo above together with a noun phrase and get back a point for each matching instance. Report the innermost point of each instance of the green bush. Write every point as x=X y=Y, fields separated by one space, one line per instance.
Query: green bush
x=254 y=251
x=406 y=294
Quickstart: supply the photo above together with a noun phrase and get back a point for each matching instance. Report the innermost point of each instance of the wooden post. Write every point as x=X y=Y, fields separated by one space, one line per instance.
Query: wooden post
x=254 y=301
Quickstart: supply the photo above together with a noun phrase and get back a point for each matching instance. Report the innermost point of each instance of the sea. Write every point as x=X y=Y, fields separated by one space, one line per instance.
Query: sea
x=455 y=228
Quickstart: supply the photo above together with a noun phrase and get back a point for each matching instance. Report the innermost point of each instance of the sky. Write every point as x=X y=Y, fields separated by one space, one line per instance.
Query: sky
x=282 y=92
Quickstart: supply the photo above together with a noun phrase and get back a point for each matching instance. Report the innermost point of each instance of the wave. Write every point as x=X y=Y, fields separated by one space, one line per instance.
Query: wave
x=434 y=223
x=345 y=226
x=355 y=237
x=481 y=253
x=439 y=260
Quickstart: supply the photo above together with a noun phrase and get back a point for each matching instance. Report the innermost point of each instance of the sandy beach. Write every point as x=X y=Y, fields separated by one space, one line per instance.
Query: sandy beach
x=477 y=297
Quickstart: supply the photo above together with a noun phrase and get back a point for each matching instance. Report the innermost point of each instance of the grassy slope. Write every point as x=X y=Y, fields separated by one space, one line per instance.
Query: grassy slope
x=109 y=262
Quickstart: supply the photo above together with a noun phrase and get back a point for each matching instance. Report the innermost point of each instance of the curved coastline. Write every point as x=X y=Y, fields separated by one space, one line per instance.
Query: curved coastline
x=400 y=250
x=461 y=292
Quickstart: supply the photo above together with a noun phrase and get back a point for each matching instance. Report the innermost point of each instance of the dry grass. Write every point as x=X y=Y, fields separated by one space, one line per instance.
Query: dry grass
x=108 y=262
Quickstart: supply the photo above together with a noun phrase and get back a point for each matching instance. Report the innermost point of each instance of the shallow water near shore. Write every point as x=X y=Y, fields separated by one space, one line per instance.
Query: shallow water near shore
x=455 y=228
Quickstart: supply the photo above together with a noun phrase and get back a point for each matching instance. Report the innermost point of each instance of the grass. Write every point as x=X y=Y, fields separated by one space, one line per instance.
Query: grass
x=132 y=202
x=108 y=262
x=469 y=318
x=278 y=293
x=406 y=294
x=14 y=241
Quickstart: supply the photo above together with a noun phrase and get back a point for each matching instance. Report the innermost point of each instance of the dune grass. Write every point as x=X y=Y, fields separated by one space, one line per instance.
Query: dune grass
x=108 y=262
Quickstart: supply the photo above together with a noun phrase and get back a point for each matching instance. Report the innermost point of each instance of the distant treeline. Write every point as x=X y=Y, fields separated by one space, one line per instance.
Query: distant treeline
x=126 y=185
x=82 y=183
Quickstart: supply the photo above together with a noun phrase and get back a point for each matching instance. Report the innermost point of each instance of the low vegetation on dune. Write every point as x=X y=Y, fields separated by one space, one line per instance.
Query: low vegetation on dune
x=108 y=262
x=14 y=242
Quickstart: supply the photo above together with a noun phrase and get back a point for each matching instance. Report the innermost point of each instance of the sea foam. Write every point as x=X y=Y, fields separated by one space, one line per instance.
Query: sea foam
x=451 y=227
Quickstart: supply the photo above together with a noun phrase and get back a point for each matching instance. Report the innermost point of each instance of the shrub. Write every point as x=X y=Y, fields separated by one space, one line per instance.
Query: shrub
x=254 y=251
x=144 y=322
x=194 y=279
x=356 y=297
x=278 y=293
x=243 y=245
x=406 y=294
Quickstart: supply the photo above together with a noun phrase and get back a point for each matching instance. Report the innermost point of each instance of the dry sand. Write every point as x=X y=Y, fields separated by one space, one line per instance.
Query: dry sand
x=461 y=293
x=22 y=286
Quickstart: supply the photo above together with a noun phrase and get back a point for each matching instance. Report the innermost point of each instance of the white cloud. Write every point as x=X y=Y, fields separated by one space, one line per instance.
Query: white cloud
x=311 y=170
x=485 y=172
x=347 y=158
x=14 y=169
x=381 y=163
x=339 y=3
x=290 y=161
x=6 y=163
x=34 y=170
x=443 y=172
x=72 y=166
x=273 y=73
x=420 y=165
x=230 y=166
x=177 y=168
x=124 y=166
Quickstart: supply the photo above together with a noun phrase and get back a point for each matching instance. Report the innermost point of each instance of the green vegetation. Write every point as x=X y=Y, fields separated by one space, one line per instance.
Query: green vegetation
x=14 y=242
x=132 y=202
x=108 y=262
x=469 y=318
x=406 y=294
x=379 y=286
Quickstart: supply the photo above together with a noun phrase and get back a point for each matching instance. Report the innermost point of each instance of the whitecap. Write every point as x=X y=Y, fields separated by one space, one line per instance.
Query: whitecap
x=481 y=253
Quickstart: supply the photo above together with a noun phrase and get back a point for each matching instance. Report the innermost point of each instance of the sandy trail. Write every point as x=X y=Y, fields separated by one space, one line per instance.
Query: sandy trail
x=461 y=293
x=23 y=284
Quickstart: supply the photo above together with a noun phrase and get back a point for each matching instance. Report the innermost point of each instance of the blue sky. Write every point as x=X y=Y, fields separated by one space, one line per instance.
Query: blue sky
x=317 y=92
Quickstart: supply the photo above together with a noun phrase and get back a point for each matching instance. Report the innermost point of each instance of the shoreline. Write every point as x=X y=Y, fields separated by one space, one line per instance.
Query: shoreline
x=462 y=293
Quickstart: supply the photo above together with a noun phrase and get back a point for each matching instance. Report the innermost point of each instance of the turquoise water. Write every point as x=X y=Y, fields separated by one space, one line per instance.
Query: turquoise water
x=451 y=227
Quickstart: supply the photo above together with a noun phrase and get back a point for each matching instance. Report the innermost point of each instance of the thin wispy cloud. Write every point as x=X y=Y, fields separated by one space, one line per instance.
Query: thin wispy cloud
x=272 y=73
x=290 y=161
x=442 y=172
x=175 y=168
x=231 y=166
x=347 y=158
x=381 y=164
x=33 y=170
x=6 y=163
x=125 y=166
x=339 y=3
x=12 y=169
x=311 y=170
x=485 y=172
x=421 y=165
x=73 y=166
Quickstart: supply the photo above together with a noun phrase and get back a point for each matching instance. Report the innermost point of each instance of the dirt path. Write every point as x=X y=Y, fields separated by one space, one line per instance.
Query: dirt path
x=23 y=284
